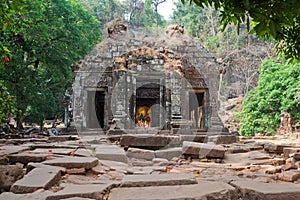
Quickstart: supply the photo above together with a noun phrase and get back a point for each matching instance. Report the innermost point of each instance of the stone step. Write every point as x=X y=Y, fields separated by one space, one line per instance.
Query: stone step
x=73 y=162
x=222 y=139
x=93 y=191
x=26 y=157
x=269 y=191
x=140 y=153
x=31 y=196
x=168 y=153
x=290 y=150
x=38 y=178
x=157 y=180
x=148 y=140
x=201 y=150
x=201 y=190
x=110 y=152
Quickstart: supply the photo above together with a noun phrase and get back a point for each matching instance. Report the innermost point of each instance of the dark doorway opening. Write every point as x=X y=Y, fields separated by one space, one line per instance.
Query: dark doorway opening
x=147 y=109
x=99 y=106
x=96 y=111
x=196 y=105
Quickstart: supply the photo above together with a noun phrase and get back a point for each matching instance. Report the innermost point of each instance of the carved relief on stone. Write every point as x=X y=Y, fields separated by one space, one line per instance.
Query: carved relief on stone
x=147 y=93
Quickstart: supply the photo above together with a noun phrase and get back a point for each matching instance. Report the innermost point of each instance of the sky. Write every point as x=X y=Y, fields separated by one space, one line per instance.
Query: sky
x=166 y=8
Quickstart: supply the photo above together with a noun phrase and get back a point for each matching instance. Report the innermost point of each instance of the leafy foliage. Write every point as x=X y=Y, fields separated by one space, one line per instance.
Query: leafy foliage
x=7 y=102
x=278 y=87
x=10 y=13
x=278 y=19
x=52 y=36
x=104 y=10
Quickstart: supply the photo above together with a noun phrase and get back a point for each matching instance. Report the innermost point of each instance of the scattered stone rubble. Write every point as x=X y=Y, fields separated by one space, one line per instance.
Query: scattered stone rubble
x=148 y=167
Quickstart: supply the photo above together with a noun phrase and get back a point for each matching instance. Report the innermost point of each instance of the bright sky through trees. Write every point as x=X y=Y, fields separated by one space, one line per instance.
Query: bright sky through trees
x=166 y=8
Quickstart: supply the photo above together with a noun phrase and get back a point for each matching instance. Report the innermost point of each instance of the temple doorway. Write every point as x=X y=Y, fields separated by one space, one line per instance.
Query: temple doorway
x=96 y=109
x=196 y=105
x=147 y=113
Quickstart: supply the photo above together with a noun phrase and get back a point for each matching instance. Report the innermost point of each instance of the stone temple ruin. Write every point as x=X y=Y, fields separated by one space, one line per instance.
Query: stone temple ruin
x=167 y=82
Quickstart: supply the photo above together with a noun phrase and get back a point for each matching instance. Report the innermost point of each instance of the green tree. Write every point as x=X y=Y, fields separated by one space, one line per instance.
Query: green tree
x=277 y=89
x=10 y=13
x=105 y=10
x=278 y=19
x=7 y=103
x=52 y=36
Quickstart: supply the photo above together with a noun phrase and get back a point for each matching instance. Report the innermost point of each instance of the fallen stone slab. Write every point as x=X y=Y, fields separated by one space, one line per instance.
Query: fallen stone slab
x=26 y=157
x=202 y=190
x=84 y=152
x=63 y=138
x=201 y=150
x=157 y=180
x=73 y=162
x=194 y=138
x=78 y=198
x=38 y=178
x=140 y=153
x=110 y=152
x=250 y=190
x=9 y=174
x=30 y=166
x=248 y=158
x=113 y=165
x=222 y=139
x=93 y=191
x=60 y=151
x=275 y=148
x=32 y=196
x=287 y=151
x=153 y=142
x=8 y=149
x=289 y=176
x=297 y=156
x=146 y=170
x=168 y=153
x=237 y=149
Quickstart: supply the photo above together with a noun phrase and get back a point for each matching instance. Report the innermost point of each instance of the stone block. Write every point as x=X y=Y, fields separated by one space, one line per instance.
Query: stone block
x=157 y=180
x=60 y=151
x=202 y=190
x=113 y=165
x=274 y=148
x=30 y=196
x=201 y=150
x=73 y=162
x=273 y=170
x=110 y=152
x=38 y=178
x=222 y=139
x=76 y=171
x=146 y=140
x=250 y=190
x=289 y=151
x=93 y=191
x=290 y=176
x=12 y=149
x=297 y=156
x=25 y=158
x=169 y=153
x=194 y=138
x=140 y=153
x=9 y=174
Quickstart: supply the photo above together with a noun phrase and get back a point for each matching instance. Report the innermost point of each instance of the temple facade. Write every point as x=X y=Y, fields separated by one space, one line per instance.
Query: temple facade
x=166 y=83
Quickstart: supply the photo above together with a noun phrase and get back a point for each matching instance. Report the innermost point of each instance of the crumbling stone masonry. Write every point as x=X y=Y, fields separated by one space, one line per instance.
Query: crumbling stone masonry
x=167 y=82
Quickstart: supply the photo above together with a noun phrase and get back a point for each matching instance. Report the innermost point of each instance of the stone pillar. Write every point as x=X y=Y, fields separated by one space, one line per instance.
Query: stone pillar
x=119 y=99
